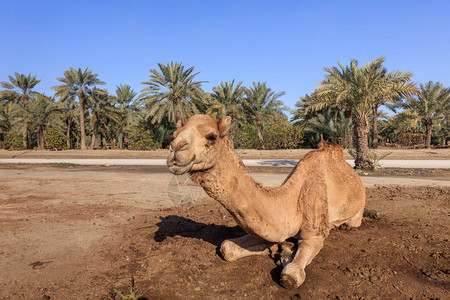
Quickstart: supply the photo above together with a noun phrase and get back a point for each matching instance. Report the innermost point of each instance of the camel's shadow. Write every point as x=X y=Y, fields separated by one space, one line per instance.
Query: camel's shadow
x=174 y=225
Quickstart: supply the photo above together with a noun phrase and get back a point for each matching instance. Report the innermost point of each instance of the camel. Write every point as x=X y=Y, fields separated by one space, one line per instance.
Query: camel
x=322 y=191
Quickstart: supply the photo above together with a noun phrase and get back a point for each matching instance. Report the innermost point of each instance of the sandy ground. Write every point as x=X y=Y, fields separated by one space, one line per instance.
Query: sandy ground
x=243 y=153
x=76 y=232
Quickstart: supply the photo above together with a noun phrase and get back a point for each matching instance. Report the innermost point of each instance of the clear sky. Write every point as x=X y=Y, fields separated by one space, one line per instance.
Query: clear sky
x=285 y=43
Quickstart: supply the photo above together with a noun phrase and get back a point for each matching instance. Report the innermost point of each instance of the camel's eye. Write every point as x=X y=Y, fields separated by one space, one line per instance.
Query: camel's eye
x=211 y=137
x=184 y=146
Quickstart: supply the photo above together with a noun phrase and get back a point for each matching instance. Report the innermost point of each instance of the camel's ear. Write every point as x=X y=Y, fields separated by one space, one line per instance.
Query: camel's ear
x=224 y=125
x=180 y=124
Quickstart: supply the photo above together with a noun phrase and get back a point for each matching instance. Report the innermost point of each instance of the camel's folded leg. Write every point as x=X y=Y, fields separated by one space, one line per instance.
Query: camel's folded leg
x=247 y=245
x=293 y=274
x=356 y=220
x=287 y=253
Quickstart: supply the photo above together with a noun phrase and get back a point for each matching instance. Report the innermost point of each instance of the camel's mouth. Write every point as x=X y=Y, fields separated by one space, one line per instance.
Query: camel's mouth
x=180 y=170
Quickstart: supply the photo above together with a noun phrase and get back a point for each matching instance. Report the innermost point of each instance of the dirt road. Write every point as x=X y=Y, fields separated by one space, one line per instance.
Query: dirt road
x=75 y=232
x=421 y=164
x=419 y=154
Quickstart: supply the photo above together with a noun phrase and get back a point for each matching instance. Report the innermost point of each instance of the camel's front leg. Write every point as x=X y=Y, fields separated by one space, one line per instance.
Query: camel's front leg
x=247 y=245
x=293 y=274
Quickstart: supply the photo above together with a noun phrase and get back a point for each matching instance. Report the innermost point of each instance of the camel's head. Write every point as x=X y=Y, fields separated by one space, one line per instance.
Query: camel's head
x=195 y=145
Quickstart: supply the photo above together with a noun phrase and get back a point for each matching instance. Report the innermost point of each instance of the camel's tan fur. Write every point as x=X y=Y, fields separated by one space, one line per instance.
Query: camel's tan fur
x=321 y=192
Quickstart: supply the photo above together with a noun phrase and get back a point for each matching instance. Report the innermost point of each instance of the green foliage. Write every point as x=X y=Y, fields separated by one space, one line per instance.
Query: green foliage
x=20 y=86
x=332 y=125
x=279 y=134
x=375 y=160
x=356 y=90
x=55 y=140
x=172 y=93
x=262 y=103
x=79 y=83
x=431 y=105
x=282 y=134
x=141 y=139
x=346 y=100
x=244 y=137
x=227 y=99
x=13 y=141
x=5 y=117
x=409 y=138
x=76 y=82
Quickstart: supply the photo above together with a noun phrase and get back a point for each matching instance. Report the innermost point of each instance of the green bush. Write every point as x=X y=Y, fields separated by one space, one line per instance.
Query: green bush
x=282 y=134
x=141 y=139
x=13 y=141
x=410 y=138
x=55 y=140
x=244 y=137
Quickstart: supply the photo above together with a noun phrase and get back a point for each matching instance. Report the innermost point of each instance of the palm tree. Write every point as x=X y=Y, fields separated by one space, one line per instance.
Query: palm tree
x=172 y=93
x=5 y=117
x=382 y=93
x=227 y=100
x=125 y=98
x=41 y=112
x=79 y=83
x=428 y=106
x=21 y=87
x=355 y=89
x=69 y=114
x=300 y=115
x=103 y=110
x=330 y=125
x=261 y=102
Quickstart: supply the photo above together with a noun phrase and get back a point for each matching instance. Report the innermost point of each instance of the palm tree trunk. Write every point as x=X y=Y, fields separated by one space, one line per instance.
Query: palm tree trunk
x=429 y=129
x=374 y=126
x=121 y=138
x=82 y=128
x=176 y=107
x=94 y=133
x=68 y=133
x=361 y=130
x=112 y=143
x=38 y=136
x=43 y=133
x=258 y=130
x=126 y=140
x=25 y=125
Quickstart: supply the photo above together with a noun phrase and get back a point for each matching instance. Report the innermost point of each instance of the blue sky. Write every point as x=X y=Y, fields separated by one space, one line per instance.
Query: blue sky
x=285 y=43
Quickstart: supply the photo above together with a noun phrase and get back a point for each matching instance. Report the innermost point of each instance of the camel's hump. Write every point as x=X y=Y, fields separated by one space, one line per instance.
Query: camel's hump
x=326 y=144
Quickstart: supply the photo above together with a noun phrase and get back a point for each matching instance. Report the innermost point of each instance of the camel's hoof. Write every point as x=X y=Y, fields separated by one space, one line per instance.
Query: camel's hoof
x=292 y=280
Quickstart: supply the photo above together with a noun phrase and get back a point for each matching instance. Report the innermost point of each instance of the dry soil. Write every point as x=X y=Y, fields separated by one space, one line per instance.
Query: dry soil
x=81 y=232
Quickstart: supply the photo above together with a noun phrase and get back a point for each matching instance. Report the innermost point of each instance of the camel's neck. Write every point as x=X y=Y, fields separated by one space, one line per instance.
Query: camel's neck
x=257 y=210
x=227 y=179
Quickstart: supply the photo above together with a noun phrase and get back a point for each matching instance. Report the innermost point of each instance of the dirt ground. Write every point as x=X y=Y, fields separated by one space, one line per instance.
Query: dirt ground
x=79 y=232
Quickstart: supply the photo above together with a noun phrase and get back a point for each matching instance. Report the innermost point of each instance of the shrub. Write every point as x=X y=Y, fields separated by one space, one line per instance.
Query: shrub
x=244 y=137
x=141 y=139
x=55 y=140
x=409 y=139
x=13 y=141
x=375 y=160
x=282 y=135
